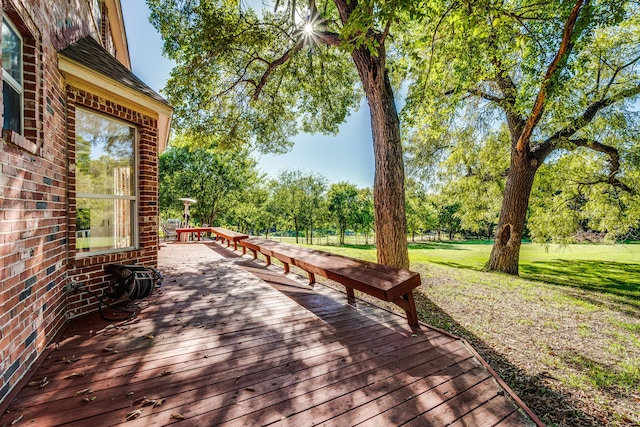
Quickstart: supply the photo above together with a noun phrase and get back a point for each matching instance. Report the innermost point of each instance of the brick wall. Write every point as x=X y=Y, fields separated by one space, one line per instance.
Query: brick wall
x=37 y=206
x=89 y=271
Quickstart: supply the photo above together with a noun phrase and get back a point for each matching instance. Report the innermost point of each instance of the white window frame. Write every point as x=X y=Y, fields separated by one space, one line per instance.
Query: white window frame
x=18 y=87
x=134 y=198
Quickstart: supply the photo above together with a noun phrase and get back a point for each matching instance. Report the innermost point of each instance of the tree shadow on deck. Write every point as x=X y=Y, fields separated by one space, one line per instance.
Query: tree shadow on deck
x=218 y=345
x=325 y=307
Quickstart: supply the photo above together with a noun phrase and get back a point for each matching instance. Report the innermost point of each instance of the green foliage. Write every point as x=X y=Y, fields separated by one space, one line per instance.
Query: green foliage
x=492 y=57
x=299 y=198
x=421 y=212
x=218 y=179
x=365 y=214
x=342 y=201
x=246 y=76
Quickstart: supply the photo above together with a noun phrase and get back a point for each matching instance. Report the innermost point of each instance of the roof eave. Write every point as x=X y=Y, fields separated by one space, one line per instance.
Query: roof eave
x=83 y=77
x=118 y=32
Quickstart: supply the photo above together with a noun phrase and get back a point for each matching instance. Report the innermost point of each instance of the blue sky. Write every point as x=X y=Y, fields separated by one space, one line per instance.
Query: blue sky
x=345 y=157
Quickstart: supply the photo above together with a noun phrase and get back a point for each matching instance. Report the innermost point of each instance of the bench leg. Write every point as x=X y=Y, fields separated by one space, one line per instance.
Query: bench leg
x=235 y=245
x=312 y=279
x=244 y=250
x=286 y=268
x=351 y=296
x=268 y=259
x=412 y=313
x=255 y=253
x=228 y=242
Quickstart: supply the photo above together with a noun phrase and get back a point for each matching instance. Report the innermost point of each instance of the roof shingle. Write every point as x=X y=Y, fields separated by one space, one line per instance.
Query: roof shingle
x=88 y=52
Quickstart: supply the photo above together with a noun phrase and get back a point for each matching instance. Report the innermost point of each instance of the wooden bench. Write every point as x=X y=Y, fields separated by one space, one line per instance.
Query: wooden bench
x=381 y=281
x=190 y=230
x=228 y=236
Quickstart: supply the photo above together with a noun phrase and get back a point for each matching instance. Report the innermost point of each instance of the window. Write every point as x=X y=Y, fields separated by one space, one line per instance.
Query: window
x=97 y=16
x=106 y=199
x=12 y=80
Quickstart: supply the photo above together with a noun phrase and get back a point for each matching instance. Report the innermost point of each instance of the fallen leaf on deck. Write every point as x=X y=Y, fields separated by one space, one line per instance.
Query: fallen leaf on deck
x=110 y=350
x=250 y=389
x=88 y=399
x=177 y=416
x=83 y=391
x=163 y=373
x=41 y=383
x=131 y=393
x=140 y=399
x=159 y=402
x=148 y=402
x=74 y=375
x=149 y=337
x=134 y=414
x=17 y=420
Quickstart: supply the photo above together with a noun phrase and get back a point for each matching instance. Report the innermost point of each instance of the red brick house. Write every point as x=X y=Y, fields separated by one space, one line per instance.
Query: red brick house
x=78 y=168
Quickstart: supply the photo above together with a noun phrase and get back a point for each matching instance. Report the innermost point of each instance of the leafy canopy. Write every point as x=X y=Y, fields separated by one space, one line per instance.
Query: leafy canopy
x=478 y=72
x=252 y=76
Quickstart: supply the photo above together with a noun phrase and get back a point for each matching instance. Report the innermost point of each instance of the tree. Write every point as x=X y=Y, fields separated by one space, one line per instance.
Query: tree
x=420 y=212
x=365 y=216
x=314 y=188
x=556 y=72
x=216 y=178
x=297 y=196
x=250 y=212
x=343 y=206
x=466 y=167
x=260 y=78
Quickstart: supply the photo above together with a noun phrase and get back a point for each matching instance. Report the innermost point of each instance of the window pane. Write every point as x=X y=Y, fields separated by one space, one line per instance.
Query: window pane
x=11 y=52
x=104 y=156
x=12 y=108
x=103 y=224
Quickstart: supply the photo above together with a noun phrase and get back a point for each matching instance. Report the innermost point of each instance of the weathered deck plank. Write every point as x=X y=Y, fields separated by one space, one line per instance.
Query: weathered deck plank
x=223 y=346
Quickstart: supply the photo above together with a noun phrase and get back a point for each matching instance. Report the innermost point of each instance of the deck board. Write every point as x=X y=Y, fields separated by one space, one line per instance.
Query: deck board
x=229 y=341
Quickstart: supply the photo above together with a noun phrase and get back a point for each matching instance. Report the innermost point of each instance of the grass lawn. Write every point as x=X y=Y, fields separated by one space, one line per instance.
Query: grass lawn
x=565 y=335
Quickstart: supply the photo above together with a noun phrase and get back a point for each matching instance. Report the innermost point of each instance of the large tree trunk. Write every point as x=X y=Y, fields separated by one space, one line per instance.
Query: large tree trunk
x=506 y=248
x=388 y=187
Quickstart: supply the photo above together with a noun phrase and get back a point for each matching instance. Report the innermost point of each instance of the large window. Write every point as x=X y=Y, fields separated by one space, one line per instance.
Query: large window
x=105 y=184
x=12 y=79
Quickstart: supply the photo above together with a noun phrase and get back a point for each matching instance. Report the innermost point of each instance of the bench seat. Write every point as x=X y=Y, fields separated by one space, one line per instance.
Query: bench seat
x=228 y=236
x=383 y=282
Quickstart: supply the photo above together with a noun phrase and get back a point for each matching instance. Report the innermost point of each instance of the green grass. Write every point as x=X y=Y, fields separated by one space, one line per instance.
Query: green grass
x=611 y=269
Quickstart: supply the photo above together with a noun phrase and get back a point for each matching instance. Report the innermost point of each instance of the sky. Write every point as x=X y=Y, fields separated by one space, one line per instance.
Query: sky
x=347 y=156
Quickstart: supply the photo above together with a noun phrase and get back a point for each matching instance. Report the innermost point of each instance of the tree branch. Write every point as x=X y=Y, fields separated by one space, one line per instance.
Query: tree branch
x=614 y=158
x=328 y=38
x=488 y=97
x=615 y=74
x=538 y=106
x=508 y=88
x=584 y=119
x=273 y=65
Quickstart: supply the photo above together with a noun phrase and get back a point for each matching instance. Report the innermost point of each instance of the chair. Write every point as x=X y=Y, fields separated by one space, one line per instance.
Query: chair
x=169 y=228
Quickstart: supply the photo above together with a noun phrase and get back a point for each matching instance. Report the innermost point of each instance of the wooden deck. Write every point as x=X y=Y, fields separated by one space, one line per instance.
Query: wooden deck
x=230 y=342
